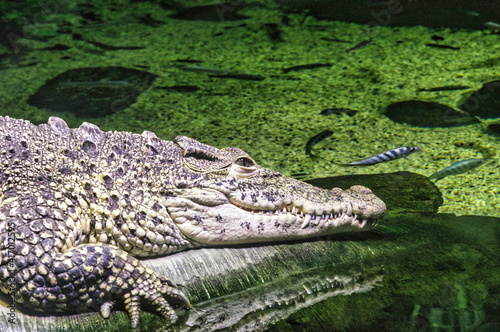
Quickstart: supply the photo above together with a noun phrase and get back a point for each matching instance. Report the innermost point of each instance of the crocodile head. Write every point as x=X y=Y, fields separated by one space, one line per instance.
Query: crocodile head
x=224 y=197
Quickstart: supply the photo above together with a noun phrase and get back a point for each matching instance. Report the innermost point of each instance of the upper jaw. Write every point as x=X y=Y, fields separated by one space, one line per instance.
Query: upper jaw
x=340 y=214
x=357 y=202
x=231 y=221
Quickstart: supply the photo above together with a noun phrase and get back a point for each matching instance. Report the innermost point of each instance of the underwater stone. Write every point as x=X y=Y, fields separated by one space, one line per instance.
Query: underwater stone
x=485 y=102
x=428 y=114
x=92 y=92
x=494 y=129
x=219 y=12
x=401 y=191
x=466 y=14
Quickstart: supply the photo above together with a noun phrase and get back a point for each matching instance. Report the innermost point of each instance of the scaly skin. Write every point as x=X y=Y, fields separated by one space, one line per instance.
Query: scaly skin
x=78 y=206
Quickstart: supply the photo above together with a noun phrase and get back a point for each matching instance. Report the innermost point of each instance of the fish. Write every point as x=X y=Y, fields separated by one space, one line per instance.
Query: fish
x=442 y=46
x=308 y=66
x=179 y=88
x=447 y=88
x=458 y=168
x=241 y=76
x=335 y=110
x=359 y=45
x=112 y=47
x=386 y=156
x=492 y=25
x=200 y=69
x=316 y=139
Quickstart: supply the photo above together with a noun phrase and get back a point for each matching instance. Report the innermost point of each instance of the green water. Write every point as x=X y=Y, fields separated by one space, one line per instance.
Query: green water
x=195 y=68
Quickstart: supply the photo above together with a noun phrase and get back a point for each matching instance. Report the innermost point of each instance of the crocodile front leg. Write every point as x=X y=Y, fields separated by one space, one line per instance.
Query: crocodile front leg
x=49 y=277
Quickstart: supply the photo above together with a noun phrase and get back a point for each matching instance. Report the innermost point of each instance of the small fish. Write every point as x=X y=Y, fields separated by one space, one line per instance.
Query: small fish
x=458 y=168
x=492 y=25
x=241 y=76
x=179 y=88
x=442 y=46
x=335 y=110
x=200 y=69
x=471 y=13
x=112 y=47
x=386 y=156
x=359 y=45
x=447 y=88
x=308 y=66
x=316 y=139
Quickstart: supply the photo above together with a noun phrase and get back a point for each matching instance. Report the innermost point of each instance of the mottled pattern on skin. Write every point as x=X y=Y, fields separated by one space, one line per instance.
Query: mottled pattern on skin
x=78 y=207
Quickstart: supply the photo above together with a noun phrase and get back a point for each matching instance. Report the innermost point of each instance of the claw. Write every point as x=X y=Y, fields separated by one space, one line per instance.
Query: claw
x=176 y=295
x=133 y=307
x=106 y=309
x=166 y=310
x=166 y=281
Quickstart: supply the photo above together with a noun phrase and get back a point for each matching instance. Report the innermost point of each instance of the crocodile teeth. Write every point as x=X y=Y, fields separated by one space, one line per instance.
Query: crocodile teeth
x=306 y=221
x=349 y=210
x=363 y=223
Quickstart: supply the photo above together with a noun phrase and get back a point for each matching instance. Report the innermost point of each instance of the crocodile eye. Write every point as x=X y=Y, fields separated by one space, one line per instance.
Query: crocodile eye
x=243 y=167
x=245 y=162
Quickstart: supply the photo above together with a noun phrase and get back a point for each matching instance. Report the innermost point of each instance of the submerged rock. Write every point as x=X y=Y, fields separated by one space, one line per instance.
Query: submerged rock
x=466 y=14
x=400 y=191
x=227 y=11
x=494 y=129
x=92 y=92
x=428 y=114
x=485 y=102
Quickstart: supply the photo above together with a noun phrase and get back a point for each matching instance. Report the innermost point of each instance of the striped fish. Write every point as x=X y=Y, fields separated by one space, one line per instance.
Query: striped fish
x=386 y=156
x=458 y=168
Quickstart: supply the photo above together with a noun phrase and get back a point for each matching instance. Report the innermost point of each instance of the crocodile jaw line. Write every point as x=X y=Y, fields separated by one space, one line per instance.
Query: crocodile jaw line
x=228 y=223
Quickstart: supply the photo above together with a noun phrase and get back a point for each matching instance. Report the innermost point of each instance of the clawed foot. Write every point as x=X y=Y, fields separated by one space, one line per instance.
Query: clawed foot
x=154 y=296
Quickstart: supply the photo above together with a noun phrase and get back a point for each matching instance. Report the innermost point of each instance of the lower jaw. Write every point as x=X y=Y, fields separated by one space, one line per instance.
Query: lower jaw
x=260 y=232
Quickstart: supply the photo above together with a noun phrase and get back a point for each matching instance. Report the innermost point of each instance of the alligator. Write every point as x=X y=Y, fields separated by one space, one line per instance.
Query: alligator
x=80 y=208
